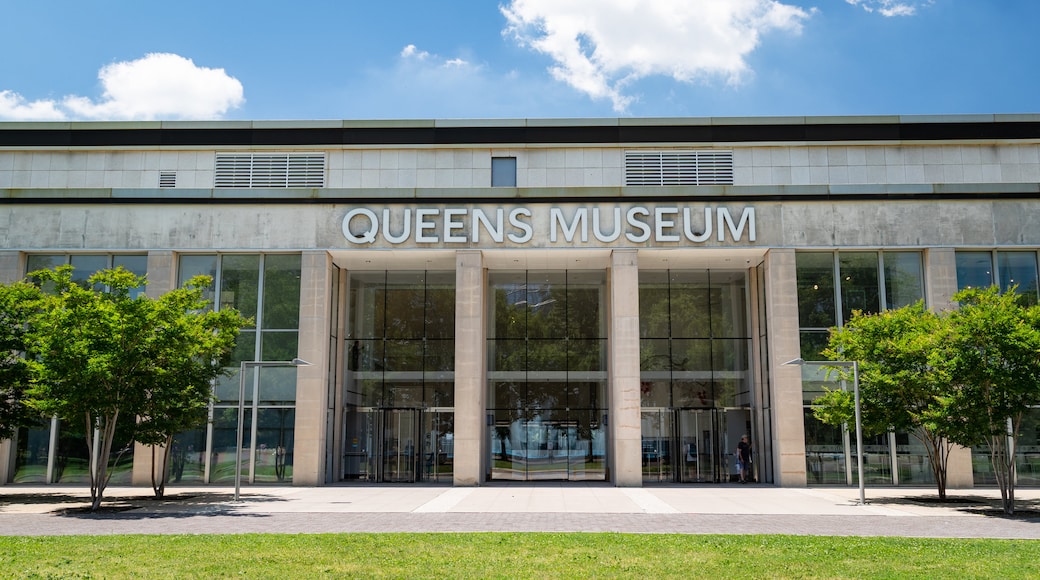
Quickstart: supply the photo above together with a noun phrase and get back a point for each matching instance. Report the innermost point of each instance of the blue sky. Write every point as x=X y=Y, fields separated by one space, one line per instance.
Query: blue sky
x=348 y=59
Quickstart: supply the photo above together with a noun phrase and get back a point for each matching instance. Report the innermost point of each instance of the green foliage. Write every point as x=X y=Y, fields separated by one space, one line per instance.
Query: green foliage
x=514 y=555
x=100 y=354
x=17 y=302
x=965 y=377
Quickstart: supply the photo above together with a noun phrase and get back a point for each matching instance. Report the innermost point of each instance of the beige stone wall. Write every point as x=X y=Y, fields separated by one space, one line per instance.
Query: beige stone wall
x=624 y=403
x=783 y=340
x=470 y=374
x=312 y=387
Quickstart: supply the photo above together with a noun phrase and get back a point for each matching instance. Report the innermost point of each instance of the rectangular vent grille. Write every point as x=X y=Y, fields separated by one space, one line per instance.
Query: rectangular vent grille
x=167 y=179
x=679 y=167
x=274 y=170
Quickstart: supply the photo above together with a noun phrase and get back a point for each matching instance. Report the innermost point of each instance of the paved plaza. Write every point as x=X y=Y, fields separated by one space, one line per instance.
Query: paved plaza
x=724 y=509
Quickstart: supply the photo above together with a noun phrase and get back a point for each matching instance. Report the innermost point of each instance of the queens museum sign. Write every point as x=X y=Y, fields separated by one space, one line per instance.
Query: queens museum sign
x=548 y=225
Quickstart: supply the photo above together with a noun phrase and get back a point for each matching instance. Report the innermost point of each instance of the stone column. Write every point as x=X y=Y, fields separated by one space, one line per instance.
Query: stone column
x=162 y=278
x=940 y=272
x=12 y=269
x=470 y=382
x=623 y=414
x=782 y=336
x=312 y=382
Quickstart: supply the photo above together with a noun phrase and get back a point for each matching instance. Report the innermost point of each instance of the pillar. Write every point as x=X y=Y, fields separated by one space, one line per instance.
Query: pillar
x=470 y=382
x=940 y=271
x=313 y=412
x=623 y=415
x=781 y=289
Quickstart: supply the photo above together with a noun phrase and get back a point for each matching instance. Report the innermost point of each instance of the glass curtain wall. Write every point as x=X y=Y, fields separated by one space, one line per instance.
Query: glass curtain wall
x=695 y=373
x=54 y=451
x=1006 y=270
x=266 y=289
x=831 y=286
x=547 y=375
x=399 y=391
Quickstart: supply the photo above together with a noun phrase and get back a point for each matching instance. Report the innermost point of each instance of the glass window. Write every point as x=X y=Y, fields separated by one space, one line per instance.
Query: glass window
x=240 y=284
x=503 y=172
x=282 y=291
x=815 y=278
x=860 y=289
x=1018 y=269
x=904 y=280
x=974 y=270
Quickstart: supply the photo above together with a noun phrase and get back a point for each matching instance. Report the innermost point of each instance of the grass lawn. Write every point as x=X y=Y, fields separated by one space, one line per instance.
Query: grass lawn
x=512 y=555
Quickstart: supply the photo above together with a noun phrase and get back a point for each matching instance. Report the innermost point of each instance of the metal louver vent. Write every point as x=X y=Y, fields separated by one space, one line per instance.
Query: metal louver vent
x=708 y=167
x=167 y=179
x=272 y=170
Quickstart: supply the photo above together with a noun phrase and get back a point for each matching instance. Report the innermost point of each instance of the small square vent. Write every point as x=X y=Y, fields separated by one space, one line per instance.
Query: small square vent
x=167 y=179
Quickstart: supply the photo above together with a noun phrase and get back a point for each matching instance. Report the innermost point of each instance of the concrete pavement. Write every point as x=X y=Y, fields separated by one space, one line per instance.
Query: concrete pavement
x=559 y=507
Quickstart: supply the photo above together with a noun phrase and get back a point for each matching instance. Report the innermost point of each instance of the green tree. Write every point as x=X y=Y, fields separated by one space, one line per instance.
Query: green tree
x=190 y=347
x=17 y=302
x=903 y=376
x=102 y=358
x=995 y=347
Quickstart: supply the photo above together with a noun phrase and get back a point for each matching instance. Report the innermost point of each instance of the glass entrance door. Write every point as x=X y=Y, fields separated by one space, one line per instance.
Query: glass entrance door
x=563 y=445
x=698 y=461
x=383 y=445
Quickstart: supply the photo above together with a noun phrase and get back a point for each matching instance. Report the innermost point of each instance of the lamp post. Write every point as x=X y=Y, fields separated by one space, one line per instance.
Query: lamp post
x=854 y=365
x=296 y=362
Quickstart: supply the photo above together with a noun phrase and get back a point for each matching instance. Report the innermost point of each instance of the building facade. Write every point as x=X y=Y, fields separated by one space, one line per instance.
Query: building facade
x=573 y=300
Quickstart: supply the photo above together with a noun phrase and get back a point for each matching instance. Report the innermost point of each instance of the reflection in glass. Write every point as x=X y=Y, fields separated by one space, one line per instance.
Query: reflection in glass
x=858 y=277
x=815 y=278
x=1018 y=269
x=904 y=280
x=240 y=284
x=974 y=270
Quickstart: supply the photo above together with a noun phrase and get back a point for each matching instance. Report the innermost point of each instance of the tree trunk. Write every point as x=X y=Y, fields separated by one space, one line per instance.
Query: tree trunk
x=159 y=488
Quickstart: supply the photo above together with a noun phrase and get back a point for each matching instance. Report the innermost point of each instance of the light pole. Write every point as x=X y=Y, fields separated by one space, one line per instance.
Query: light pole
x=296 y=362
x=854 y=365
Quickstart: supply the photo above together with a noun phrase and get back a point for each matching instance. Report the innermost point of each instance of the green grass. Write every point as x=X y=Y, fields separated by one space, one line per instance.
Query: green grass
x=512 y=555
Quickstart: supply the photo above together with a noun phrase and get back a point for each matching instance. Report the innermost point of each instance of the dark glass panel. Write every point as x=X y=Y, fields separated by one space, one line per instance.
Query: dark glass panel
x=367 y=304
x=655 y=393
x=655 y=354
x=1018 y=269
x=824 y=451
x=404 y=395
x=860 y=288
x=440 y=305
x=812 y=343
x=690 y=305
x=279 y=345
x=546 y=305
x=199 y=265
x=508 y=395
x=974 y=270
x=440 y=355
x=509 y=305
x=546 y=355
x=277 y=385
x=728 y=305
x=904 y=280
x=85 y=266
x=188 y=458
x=653 y=305
x=586 y=355
x=439 y=394
x=691 y=355
x=404 y=355
x=815 y=278
x=31 y=454
x=585 y=318
x=405 y=305
x=275 y=439
x=546 y=395
x=281 y=291
x=507 y=355
x=240 y=284
x=696 y=393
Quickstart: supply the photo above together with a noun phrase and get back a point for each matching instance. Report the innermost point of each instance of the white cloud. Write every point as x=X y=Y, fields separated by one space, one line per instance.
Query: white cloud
x=157 y=86
x=600 y=46
x=14 y=107
x=891 y=7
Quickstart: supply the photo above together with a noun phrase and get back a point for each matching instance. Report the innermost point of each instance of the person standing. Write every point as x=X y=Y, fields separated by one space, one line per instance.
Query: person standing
x=744 y=459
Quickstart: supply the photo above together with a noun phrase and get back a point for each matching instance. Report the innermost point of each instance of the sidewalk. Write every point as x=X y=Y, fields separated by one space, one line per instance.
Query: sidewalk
x=564 y=507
